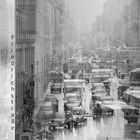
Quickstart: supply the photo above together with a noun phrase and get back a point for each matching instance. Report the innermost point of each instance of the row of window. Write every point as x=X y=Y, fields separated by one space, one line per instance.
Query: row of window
x=133 y=100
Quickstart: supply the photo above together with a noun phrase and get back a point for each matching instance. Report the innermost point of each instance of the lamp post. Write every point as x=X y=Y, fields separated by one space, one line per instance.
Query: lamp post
x=28 y=103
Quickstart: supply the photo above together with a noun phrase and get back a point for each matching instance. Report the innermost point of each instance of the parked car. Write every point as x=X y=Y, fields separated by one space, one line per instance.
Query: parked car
x=54 y=100
x=56 y=88
x=131 y=113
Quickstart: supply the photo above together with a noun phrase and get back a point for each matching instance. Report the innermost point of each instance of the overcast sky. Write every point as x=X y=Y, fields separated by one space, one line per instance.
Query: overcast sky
x=84 y=12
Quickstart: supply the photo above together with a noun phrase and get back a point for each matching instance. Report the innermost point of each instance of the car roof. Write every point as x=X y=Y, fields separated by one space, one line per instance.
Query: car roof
x=46 y=103
x=78 y=108
x=71 y=94
x=74 y=80
x=98 y=84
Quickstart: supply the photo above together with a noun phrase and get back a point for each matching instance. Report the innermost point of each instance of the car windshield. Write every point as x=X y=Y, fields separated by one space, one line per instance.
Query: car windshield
x=73 y=101
x=99 y=87
x=78 y=112
x=72 y=96
x=46 y=108
x=73 y=89
x=100 y=91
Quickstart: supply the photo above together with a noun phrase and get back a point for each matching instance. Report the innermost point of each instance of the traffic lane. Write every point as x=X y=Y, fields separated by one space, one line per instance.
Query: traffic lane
x=94 y=130
x=77 y=133
x=87 y=96
x=114 y=127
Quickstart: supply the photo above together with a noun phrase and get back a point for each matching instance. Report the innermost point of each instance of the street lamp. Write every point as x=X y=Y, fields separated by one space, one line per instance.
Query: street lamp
x=28 y=103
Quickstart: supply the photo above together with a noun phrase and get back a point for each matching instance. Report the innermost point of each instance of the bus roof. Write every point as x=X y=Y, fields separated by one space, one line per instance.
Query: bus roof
x=100 y=70
x=134 y=93
x=136 y=70
x=128 y=107
x=71 y=94
x=48 y=103
x=73 y=80
x=78 y=108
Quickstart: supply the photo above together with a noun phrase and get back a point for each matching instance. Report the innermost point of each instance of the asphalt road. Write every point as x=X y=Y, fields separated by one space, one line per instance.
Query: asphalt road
x=109 y=128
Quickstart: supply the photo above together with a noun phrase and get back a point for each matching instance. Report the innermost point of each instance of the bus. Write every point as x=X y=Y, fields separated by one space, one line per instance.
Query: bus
x=74 y=86
x=100 y=75
x=132 y=96
x=57 y=80
x=134 y=77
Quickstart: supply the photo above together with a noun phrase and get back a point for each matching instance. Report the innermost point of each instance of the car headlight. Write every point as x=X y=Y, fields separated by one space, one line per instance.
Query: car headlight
x=67 y=113
x=74 y=117
x=62 y=122
x=65 y=101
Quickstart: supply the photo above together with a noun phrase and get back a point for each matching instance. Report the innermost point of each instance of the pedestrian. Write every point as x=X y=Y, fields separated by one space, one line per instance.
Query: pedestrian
x=108 y=91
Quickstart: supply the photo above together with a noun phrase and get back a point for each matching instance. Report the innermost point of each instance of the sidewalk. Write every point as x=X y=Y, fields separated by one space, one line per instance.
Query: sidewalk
x=48 y=91
x=60 y=98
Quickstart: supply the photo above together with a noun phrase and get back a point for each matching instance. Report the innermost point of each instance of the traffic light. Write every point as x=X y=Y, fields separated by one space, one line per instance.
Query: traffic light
x=65 y=68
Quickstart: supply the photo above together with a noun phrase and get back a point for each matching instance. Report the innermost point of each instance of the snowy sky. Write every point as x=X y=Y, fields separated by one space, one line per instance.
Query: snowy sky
x=84 y=12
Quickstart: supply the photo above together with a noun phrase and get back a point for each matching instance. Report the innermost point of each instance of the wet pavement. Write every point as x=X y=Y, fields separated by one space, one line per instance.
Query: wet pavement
x=107 y=128
x=113 y=128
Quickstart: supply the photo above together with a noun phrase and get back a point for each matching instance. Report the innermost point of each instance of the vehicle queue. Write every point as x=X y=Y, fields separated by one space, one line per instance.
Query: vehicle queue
x=73 y=90
x=101 y=101
x=129 y=92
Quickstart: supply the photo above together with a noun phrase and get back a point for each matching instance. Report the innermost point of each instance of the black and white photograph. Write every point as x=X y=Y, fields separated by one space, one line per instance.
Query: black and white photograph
x=69 y=69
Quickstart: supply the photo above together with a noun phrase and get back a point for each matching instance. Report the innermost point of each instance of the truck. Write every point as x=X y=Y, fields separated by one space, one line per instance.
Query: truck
x=131 y=114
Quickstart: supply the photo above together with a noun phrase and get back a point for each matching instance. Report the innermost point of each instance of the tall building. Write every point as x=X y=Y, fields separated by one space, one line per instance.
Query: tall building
x=131 y=20
x=25 y=53
x=110 y=23
x=39 y=25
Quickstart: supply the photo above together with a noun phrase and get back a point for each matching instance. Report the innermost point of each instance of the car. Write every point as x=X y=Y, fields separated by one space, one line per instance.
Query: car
x=56 y=124
x=98 y=88
x=72 y=99
x=72 y=103
x=56 y=88
x=79 y=115
x=69 y=96
x=53 y=99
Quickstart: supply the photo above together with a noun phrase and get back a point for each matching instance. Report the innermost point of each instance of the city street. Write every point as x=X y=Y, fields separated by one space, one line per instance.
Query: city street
x=70 y=69
x=108 y=128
